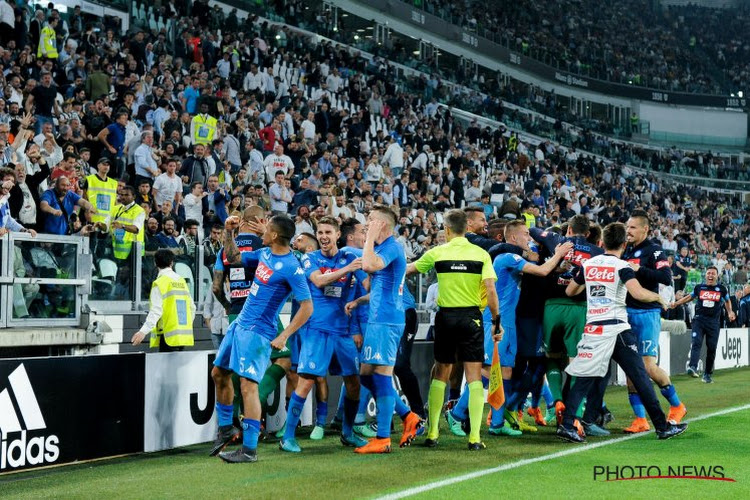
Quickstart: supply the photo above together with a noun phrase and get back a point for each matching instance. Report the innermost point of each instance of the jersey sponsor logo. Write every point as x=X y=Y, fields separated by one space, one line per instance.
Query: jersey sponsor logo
x=239 y=294
x=577 y=257
x=662 y=264
x=586 y=355
x=263 y=273
x=330 y=270
x=600 y=273
x=597 y=291
x=593 y=329
x=563 y=281
x=28 y=447
x=600 y=301
x=462 y=267
x=709 y=295
x=599 y=310
x=544 y=234
x=634 y=261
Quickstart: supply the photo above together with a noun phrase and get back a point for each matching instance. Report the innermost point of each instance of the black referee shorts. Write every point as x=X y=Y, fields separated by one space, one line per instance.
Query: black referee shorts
x=459 y=335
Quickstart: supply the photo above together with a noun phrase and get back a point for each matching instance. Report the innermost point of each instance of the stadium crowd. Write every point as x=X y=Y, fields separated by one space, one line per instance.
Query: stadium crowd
x=684 y=48
x=138 y=137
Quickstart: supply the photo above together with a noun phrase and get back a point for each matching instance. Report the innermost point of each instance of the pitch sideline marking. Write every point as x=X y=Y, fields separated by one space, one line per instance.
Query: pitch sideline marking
x=514 y=465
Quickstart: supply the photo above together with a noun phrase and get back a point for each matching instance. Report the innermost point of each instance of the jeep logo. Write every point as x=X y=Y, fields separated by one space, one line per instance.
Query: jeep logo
x=732 y=349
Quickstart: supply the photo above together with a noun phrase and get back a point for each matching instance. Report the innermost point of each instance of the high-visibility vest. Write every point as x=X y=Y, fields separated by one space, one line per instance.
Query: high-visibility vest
x=512 y=143
x=122 y=241
x=176 y=323
x=103 y=195
x=47 y=43
x=530 y=219
x=204 y=130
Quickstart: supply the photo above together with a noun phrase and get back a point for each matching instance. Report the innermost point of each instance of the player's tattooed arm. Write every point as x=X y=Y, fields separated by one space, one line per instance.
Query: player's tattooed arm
x=217 y=287
x=231 y=252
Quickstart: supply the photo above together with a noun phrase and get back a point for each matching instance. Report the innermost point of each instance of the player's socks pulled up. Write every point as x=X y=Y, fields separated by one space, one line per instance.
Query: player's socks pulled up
x=293 y=414
x=670 y=394
x=454 y=393
x=269 y=383
x=476 y=408
x=554 y=379
x=637 y=405
x=386 y=400
x=435 y=401
x=364 y=400
x=460 y=410
x=350 y=414
x=224 y=414
x=250 y=433
x=402 y=410
x=547 y=395
x=321 y=413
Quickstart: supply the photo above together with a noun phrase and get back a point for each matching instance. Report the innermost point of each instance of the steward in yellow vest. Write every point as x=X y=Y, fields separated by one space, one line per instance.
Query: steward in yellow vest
x=127 y=224
x=48 y=40
x=171 y=309
x=203 y=127
x=101 y=191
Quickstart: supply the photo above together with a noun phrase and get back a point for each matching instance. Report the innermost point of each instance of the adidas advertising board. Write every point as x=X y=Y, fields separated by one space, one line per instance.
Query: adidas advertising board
x=62 y=410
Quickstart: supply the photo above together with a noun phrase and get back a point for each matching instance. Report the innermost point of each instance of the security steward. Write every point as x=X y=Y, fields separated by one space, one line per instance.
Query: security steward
x=171 y=309
x=203 y=128
x=127 y=224
x=465 y=274
x=101 y=191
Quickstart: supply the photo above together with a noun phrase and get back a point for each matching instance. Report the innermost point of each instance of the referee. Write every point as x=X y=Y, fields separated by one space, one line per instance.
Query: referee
x=465 y=274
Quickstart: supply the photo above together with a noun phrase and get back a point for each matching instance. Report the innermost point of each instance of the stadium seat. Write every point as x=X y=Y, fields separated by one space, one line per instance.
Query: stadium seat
x=184 y=271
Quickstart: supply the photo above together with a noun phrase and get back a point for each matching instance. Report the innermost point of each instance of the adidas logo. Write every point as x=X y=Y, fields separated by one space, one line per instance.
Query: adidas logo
x=23 y=450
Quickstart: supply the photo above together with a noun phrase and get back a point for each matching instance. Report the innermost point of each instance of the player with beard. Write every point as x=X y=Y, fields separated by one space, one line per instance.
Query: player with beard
x=649 y=261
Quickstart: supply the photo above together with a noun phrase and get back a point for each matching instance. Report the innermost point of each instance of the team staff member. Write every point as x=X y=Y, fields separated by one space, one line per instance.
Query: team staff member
x=607 y=335
x=651 y=267
x=171 y=309
x=462 y=270
x=710 y=296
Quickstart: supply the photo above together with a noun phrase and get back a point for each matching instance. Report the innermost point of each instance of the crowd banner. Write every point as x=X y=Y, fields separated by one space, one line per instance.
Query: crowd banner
x=67 y=409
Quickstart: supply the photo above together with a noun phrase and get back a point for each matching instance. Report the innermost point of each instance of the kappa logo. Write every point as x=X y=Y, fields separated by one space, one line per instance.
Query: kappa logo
x=24 y=450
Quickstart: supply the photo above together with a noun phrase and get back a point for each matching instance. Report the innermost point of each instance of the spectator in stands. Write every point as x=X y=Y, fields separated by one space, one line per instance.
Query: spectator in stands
x=167 y=237
x=190 y=240
x=58 y=203
x=168 y=186
x=146 y=162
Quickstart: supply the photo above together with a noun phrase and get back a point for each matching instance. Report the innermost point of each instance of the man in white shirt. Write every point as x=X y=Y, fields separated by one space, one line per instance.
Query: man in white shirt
x=168 y=186
x=334 y=81
x=308 y=127
x=394 y=157
x=278 y=161
x=193 y=202
x=254 y=81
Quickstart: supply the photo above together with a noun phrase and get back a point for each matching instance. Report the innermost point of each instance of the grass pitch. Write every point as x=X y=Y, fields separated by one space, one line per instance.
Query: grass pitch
x=326 y=470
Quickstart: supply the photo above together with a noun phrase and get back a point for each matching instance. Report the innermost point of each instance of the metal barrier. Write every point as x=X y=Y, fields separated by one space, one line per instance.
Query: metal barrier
x=44 y=280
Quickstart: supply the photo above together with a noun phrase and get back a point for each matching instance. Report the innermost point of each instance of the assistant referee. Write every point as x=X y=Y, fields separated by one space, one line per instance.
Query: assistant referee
x=465 y=274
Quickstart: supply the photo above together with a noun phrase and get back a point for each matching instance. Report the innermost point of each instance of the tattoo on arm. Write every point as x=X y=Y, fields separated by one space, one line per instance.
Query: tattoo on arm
x=231 y=252
x=218 y=289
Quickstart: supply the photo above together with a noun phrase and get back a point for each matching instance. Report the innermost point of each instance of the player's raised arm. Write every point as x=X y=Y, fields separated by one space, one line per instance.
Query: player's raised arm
x=560 y=252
